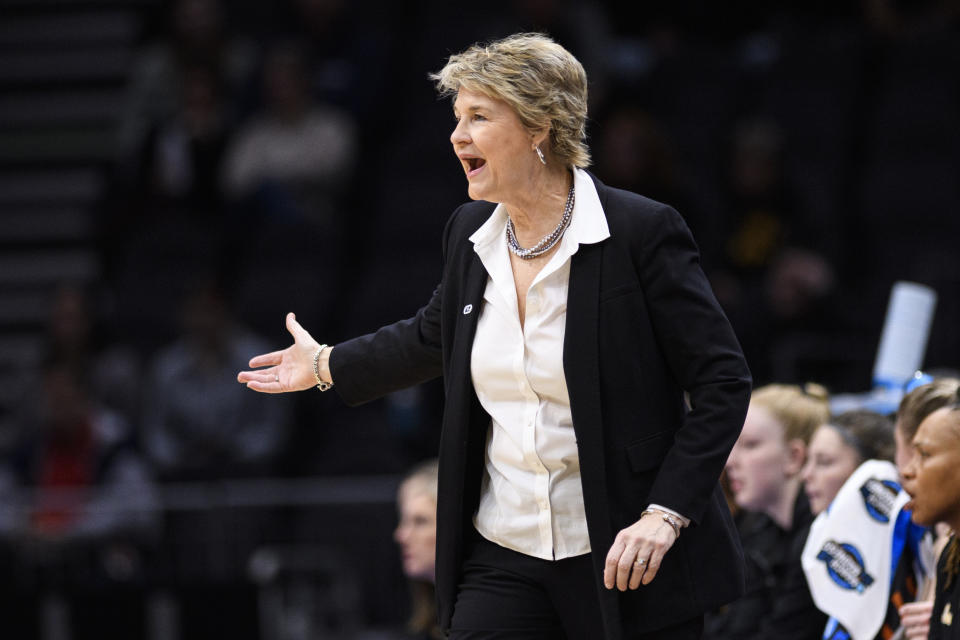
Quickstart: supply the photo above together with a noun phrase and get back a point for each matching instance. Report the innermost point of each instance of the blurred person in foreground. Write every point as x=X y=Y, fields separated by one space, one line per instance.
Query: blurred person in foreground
x=764 y=474
x=416 y=534
x=932 y=479
x=578 y=493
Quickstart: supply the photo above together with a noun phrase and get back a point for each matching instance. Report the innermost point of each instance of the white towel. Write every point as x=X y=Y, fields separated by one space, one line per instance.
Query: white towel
x=847 y=556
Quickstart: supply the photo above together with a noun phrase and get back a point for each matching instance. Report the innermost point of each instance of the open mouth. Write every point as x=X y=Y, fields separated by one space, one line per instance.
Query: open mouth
x=475 y=164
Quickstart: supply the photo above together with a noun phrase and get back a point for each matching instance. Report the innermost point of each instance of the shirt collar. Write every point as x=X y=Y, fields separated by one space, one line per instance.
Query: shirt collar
x=588 y=225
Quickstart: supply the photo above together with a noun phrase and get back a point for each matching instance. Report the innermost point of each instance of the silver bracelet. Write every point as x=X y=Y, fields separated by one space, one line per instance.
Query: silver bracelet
x=669 y=519
x=323 y=386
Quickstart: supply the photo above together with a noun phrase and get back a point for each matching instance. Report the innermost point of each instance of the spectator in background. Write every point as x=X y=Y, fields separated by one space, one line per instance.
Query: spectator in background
x=769 y=276
x=759 y=205
x=183 y=95
x=838 y=447
x=197 y=35
x=76 y=335
x=293 y=161
x=416 y=534
x=196 y=423
x=286 y=176
x=348 y=55
x=75 y=484
x=180 y=159
x=636 y=152
x=764 y=474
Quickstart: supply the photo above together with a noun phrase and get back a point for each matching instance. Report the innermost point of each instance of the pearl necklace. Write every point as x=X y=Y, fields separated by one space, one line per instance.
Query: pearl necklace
x=548 y=241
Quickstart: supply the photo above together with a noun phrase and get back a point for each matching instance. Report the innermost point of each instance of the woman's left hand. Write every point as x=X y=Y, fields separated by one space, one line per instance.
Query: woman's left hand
x=646 y=541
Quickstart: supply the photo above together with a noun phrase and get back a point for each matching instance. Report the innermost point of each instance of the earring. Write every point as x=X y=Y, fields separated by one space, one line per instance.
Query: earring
x=540 y=154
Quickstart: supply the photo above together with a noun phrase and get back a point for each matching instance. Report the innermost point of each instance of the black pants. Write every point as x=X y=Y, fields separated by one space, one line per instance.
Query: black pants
x=508 y=595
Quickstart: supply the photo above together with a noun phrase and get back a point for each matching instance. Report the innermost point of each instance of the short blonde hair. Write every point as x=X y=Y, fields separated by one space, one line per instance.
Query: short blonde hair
x=799 y=409
x=422 y=479
x=543 y=83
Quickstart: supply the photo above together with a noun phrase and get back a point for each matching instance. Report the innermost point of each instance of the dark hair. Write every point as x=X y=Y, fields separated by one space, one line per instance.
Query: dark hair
x=867 y=432
x=924 y=400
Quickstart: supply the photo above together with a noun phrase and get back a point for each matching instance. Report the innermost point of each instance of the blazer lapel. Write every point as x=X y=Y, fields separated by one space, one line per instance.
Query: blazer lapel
x=581 y=365
x=468 y=313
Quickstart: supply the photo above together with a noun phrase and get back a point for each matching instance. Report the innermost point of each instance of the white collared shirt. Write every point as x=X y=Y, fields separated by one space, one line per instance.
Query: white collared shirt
x=532 y=499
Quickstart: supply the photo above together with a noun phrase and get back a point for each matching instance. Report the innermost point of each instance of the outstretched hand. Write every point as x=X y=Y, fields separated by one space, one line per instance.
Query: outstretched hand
x=290 y=369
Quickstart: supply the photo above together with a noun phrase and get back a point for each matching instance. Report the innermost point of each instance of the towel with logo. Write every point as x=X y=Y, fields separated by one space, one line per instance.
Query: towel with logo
x=854 y=548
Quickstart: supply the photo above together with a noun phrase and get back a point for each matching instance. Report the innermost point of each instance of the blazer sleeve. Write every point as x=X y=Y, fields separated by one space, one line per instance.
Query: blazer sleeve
x=396 y=356
x=703 y=355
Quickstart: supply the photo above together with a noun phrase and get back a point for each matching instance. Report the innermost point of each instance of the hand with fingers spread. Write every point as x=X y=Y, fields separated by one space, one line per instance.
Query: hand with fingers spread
x=290 y=369
x=638 y=551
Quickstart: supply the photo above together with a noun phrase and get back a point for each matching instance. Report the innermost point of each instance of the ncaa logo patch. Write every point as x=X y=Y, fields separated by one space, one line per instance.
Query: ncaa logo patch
x=879 y=497
x=845 y=565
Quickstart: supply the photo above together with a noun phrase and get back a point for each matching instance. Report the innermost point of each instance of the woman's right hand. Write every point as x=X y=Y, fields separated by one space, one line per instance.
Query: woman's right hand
x=915 y=619
x=290 y=369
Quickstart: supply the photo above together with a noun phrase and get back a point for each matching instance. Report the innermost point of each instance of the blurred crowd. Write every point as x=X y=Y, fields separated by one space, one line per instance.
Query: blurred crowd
x=294 y=157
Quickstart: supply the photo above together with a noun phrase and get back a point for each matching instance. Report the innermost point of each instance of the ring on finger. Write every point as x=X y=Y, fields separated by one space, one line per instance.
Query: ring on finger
x=639 y=563
x=276 y=377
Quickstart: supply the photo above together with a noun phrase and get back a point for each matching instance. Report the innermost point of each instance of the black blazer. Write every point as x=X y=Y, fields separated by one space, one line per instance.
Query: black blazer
x=643 y=327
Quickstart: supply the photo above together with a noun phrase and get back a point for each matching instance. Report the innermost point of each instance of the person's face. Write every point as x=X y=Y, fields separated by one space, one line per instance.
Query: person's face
x=496 y=152
x=760 y=462
x=932 y=479
x=417 y=534
x=830 y=461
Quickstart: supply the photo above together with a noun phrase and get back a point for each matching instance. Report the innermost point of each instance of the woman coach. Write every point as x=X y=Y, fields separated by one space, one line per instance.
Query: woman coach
x=570 y=321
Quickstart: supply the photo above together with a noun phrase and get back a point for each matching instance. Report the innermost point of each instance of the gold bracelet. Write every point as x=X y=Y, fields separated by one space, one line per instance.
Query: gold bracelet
x=323 y=386
x=669 y=519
